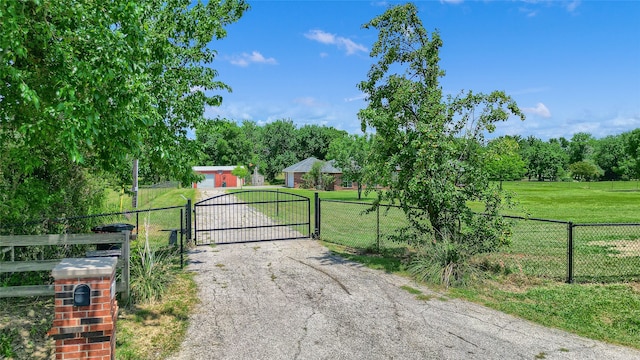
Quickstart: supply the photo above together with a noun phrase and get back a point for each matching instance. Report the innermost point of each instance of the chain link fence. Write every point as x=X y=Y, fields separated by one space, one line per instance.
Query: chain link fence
x=543 y=248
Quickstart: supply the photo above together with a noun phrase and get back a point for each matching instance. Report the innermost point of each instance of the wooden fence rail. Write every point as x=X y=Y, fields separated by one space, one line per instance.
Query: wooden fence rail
x=8 y=243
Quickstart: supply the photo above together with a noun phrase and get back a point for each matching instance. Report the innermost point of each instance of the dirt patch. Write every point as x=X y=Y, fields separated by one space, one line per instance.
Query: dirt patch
x=625 y=248
x=24 y=324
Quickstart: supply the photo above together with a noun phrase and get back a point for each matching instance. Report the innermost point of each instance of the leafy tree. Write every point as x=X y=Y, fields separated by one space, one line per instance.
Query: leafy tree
x=314 y=141
x=351 y=154
x=610 y=156
x=223 y=143
x=504 y=161
x=241 y=172
x=424 y=148
x=96 y=84
x=632 y=148
x=313 y=179
x=585 y=171
x=278 y=148
x=580 y=147
x=545 y=160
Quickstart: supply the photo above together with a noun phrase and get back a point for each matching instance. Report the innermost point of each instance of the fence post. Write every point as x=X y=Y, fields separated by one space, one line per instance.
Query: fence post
x=126 y=267
x=570 y=253
x=188 y=220
x=309 y=218
x=378 y=226
x=277 y=202
x=182 y=230
x=317 y=215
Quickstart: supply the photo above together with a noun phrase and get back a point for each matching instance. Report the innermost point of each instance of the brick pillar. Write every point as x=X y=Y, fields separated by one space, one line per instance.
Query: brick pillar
x=85 y=332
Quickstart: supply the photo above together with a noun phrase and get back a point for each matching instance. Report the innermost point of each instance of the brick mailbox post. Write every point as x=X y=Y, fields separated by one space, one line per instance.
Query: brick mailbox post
x=85 y=308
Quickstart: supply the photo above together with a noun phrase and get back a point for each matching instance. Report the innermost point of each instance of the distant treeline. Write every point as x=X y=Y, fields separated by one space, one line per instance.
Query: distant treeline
x=276 y=145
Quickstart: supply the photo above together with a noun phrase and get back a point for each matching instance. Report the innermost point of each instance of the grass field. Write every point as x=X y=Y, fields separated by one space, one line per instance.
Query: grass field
x=152 y=223
x=587 y=202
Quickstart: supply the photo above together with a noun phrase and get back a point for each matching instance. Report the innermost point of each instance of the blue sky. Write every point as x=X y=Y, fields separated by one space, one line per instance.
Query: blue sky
x=572 y=66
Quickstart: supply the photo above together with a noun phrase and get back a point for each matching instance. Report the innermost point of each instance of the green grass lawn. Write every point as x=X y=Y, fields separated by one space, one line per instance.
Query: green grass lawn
x=590 y=202
x=151 y=224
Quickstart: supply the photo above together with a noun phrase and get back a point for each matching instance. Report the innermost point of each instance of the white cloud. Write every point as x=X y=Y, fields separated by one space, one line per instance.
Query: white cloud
x=307 y=101
x=349 y=45
x=573 y=5
x=356 y=98
x=540 y=110
x=246 y=59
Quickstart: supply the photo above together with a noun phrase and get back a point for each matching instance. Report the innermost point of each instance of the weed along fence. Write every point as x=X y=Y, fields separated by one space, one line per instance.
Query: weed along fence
x=544 y=248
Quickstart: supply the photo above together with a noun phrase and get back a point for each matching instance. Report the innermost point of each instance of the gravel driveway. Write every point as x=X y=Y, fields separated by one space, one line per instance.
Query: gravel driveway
x=294 y=300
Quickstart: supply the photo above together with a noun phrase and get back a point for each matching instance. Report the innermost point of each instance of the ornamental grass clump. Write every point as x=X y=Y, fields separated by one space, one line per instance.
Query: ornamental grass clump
x=151 y=271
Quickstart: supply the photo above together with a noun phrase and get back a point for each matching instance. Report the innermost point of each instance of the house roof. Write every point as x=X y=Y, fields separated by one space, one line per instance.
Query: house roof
x=305 y=166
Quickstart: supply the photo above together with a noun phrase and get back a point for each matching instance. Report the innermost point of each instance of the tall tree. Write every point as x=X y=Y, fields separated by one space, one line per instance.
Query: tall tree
x=503 y=160
x=108 y=81
x=314 y=141
x=610 y=155
x=351 y=154
x=585 y=171
x=580 y=147
x=632 y=148
x=545 y=160
x=278 y=148
x=424 y=141
x=223 y=143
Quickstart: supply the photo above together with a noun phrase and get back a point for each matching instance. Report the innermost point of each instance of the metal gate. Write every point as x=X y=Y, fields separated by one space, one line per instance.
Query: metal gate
x=251 y=215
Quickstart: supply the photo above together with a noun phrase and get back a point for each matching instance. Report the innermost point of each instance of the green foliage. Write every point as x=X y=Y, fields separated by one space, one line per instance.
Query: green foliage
x=278 y=148
x=610 y=155
x=503 y=160
x=150 y=274
x=55 y=188
x=240 y=171
x=351 y=154
x=546 y=160
x=425 y=147
x=580 y=147
x=7 y=338
x=585 y=171
x=109 y=82
x=445 y=263
x=313 y=179
x=223 y=143
x=314 y=141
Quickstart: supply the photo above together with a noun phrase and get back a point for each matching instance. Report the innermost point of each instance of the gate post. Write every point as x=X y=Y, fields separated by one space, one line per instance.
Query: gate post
x=188 y=220
x=316 y=198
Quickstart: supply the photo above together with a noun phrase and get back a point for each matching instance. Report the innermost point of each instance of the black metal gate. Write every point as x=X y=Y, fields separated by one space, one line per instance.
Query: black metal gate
x=252 y=215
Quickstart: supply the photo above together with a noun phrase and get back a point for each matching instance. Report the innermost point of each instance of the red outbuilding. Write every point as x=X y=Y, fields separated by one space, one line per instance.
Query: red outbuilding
x=217 y=177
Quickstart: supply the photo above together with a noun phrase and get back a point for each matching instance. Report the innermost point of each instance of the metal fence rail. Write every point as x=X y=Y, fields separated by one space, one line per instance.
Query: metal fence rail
x=545 y=248
x=251 y=215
